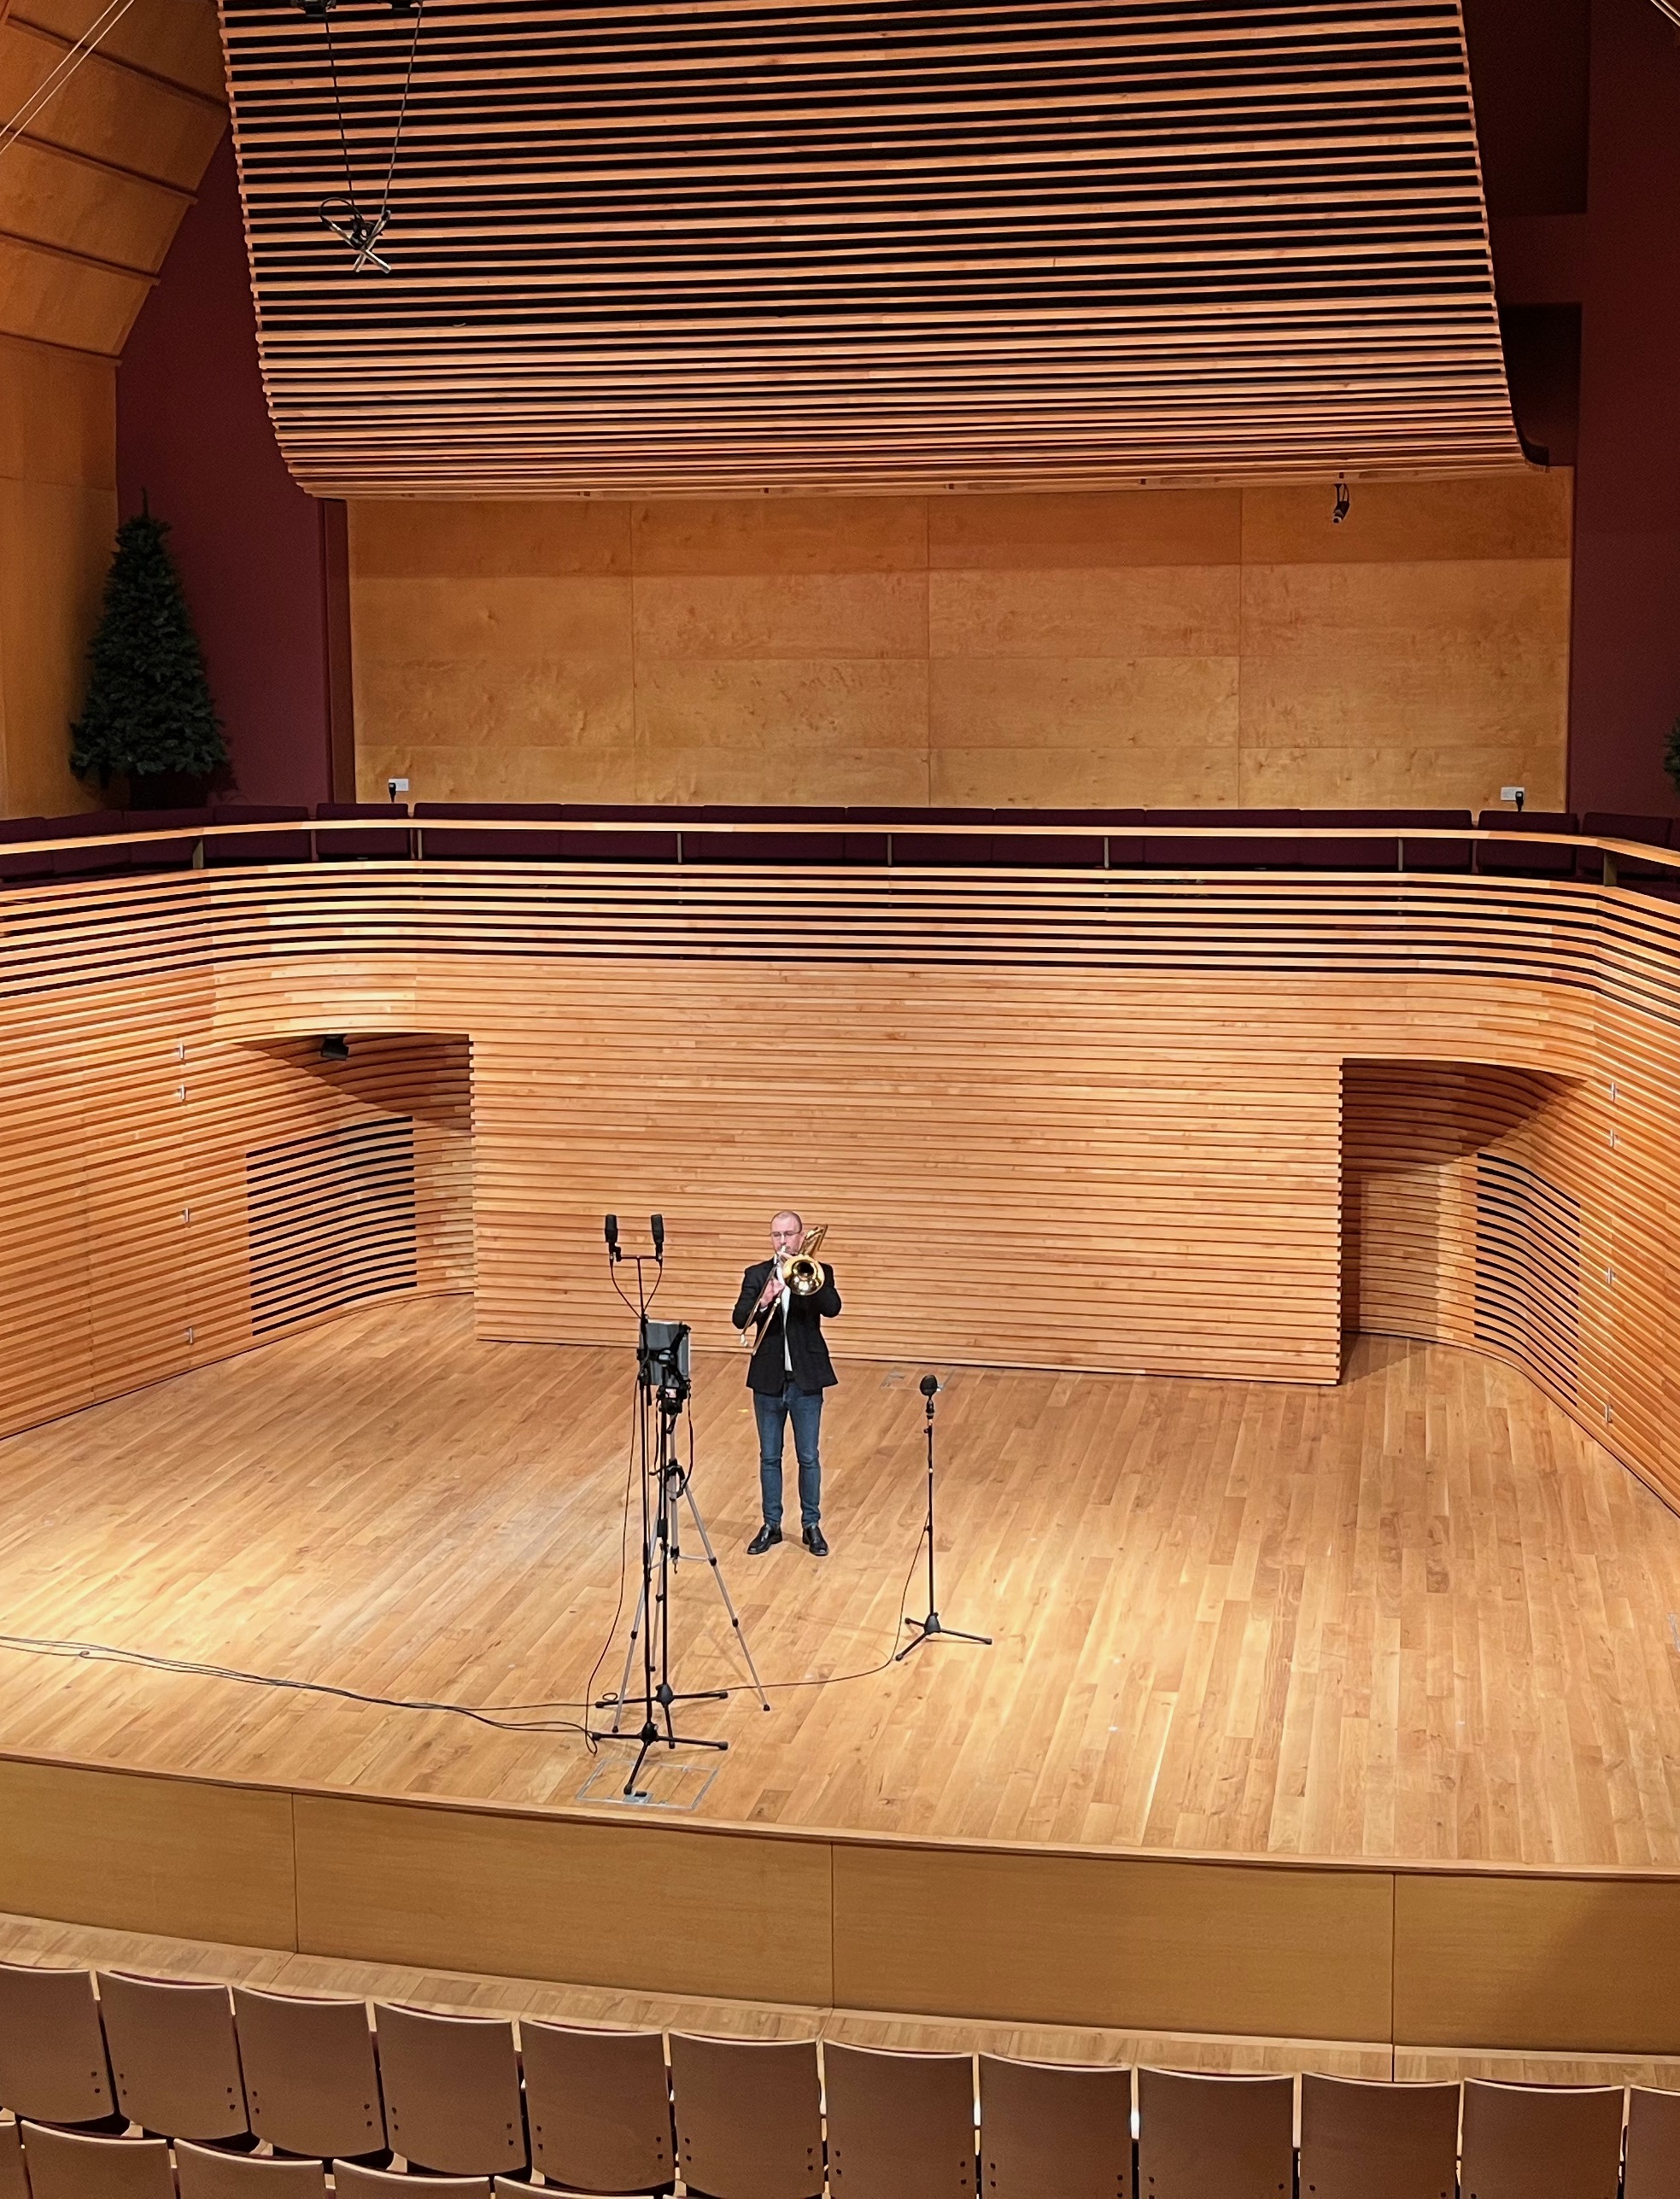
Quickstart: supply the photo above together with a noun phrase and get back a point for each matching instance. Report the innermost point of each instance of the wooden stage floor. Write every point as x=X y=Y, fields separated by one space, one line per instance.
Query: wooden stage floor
x=1419 y=1616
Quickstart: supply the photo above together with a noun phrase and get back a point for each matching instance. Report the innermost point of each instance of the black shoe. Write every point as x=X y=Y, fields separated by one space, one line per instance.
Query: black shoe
x=765 y=1539
x=814 y=1542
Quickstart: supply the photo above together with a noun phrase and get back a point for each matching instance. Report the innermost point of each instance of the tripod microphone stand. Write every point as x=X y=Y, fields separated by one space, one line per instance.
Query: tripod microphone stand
x=663 y=1387
x=929 y=1626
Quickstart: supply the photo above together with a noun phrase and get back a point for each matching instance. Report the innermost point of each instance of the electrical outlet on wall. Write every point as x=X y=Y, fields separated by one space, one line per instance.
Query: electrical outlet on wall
x=1515 y=795
x=394 y=787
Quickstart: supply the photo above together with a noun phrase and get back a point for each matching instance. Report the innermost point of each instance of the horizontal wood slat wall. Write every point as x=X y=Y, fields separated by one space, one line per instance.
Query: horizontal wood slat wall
x=1056 y=1120
x=676 y=250
x=125 y=1255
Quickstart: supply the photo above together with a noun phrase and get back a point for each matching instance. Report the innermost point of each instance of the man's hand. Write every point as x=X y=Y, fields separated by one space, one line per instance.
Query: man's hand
x=770 y=1292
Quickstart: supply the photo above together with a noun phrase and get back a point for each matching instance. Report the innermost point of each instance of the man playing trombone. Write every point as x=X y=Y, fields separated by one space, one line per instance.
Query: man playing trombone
x=788 y=1296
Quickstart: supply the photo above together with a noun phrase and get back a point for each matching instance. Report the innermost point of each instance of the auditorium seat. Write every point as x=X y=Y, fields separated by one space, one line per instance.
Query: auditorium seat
x=1049 y=2132
x=749 y=2117
x=1451 y=857
x=647 y=846
x=598 y=2103
x=452 y=2091
x=209 y=2173
x=166 y=854
x=919 y=850
x=1378 y=2141
x=53 y=2064
x=76 y=2165
x=14 y=2176
x=900 y=2126
x=1167 y=851
x=20 y=869
x=455 y=843
x=173 y=2056
x=1214 y=2137
x=87 y=862
x=354 y=2179
x=1651 y=832
x=1348 y=854
x=1653 y=2169
x=340 y=847
x=791 y=846
x=1536 y=2142
x=258 y=847
x=1524 y=860
x=312 y=2081
x=1079 y=847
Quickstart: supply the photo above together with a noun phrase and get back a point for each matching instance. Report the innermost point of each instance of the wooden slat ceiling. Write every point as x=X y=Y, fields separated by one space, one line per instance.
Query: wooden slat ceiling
x=718 y=247
x=92 y=191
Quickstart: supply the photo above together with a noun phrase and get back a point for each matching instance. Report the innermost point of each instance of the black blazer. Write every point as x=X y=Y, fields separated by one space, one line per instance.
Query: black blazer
x=813 y=1370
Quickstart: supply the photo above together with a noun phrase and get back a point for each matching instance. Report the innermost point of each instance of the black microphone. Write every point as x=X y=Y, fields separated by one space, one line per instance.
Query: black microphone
x=930 y=1385
x=658 y=1222
x=612 y=1236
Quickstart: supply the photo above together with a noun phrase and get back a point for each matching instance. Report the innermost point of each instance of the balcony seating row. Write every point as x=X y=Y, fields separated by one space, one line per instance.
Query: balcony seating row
x=1090 y=840
x=254 y=2088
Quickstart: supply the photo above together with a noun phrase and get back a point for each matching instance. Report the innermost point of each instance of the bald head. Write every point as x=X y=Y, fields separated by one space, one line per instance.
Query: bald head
x=787 y=1231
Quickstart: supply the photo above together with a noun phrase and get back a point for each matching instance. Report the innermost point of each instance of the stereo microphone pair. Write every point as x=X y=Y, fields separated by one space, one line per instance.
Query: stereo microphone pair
x=658 y=1223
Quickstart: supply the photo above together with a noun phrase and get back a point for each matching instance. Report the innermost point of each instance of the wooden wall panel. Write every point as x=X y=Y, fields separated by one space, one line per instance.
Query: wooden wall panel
x=1111 y=1102
x=1180 y=648
x=746 y=1917
x=58 y=516
x=92 y=191
x=1135 y=1942
x=126 y=1254
x=187 y=1856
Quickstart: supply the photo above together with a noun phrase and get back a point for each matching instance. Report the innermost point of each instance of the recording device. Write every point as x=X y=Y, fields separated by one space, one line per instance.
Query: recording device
x=664 y=1361
x=658 y=1226
x=930 y=1385
x=612 y=1251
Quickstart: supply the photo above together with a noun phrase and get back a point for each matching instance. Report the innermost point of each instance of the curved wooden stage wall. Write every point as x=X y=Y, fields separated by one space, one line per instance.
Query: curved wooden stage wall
x=1062 y=1121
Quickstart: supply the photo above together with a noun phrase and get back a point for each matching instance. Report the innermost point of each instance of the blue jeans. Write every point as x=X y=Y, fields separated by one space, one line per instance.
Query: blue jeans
x=771 y=1415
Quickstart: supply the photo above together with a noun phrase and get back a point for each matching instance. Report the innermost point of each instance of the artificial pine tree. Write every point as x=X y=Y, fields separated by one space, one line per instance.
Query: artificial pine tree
x=148 y=711
x=1672 y=760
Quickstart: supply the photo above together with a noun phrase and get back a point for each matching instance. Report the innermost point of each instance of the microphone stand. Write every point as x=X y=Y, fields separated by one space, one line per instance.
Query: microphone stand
x=929 y=1626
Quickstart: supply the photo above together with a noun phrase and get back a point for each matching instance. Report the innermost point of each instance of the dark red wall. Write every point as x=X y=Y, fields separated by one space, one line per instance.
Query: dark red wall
x=1625 y=693
x=193 y=433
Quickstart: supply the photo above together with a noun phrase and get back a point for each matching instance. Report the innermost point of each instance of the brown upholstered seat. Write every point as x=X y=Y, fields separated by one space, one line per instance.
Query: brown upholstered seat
x=78 y=2165
x=311 y=2078
x=1378 y=2141
x=173 y=2056
x=452 y=2091
x=53 y=2068
x=900 y=2126
x=1047 y=2132
x=598 y=2107
x=209 y=2173
x=1214 y=2137
x=749 y=2117
x=353 y=2179
x=1537 y=2141
x=1652 y=2168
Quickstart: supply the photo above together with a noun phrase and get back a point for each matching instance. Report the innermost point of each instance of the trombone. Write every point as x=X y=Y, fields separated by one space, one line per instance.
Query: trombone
x=799 y=1271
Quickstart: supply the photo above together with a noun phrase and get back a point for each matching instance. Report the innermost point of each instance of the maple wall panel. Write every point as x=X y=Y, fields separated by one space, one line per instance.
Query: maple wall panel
x=1174 y=648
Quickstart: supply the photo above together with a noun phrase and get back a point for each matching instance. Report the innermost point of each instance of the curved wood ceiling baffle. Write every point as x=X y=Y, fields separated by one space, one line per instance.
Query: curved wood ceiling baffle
x=858 y=244
x=93 y=190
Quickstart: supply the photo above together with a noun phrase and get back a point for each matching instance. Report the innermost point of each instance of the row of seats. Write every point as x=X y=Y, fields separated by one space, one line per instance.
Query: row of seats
x=1073 y=839
x=258 y=2088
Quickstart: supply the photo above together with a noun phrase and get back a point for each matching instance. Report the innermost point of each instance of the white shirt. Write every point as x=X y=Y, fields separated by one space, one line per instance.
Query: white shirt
x=786 y=1355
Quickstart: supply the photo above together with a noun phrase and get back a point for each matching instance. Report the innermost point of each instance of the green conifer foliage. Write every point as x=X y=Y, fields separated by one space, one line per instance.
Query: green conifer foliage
x=149 y=708
x=1672 y=760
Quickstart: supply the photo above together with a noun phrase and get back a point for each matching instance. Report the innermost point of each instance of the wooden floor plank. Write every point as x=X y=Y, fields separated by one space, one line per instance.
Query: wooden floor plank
x=1418 y=1615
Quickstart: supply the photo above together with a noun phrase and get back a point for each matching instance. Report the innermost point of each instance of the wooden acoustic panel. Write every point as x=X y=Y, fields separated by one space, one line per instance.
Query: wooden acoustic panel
x=93 y=188
x=1067 y=1121
x=835 y=245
